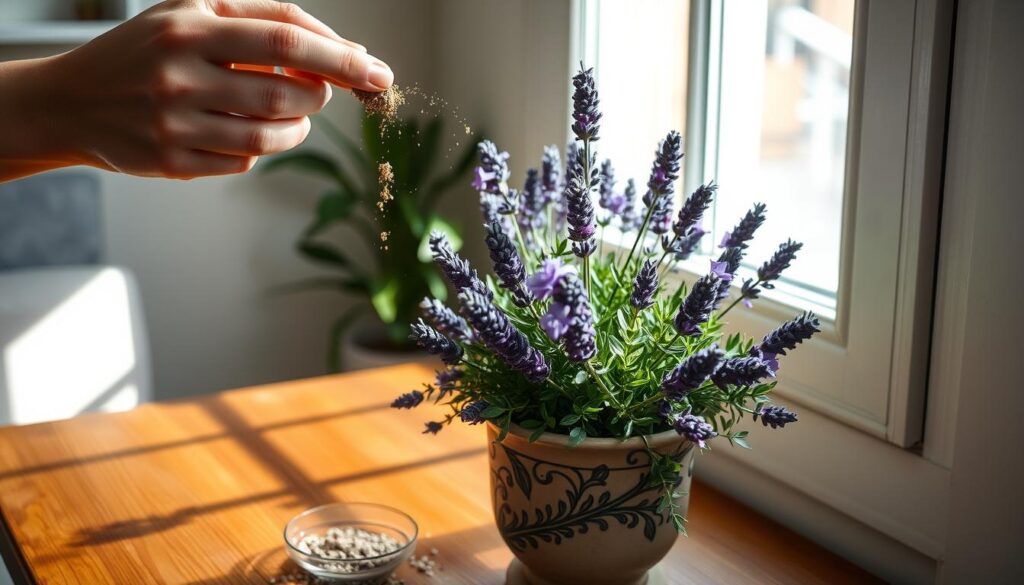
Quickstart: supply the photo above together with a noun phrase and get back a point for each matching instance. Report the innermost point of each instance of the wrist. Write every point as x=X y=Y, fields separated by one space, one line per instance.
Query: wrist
x=33 y=111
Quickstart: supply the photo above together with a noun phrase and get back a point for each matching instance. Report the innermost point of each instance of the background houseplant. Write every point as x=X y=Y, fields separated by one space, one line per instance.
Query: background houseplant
x=394 y=283
x=568 y=343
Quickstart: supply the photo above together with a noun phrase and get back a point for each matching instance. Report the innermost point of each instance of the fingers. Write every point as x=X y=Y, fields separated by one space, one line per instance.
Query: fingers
x=263 y=95
x=258 y=42
x=278 y=12
x=245 y=137
x=188 y=164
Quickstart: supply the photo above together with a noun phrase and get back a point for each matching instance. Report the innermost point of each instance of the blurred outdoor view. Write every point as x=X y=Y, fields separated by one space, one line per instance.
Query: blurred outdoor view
x=779 y=82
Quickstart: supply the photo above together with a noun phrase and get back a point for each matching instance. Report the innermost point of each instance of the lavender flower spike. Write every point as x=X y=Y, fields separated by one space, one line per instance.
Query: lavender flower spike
x=631 y=216
x=408 y=400
x=456 y=268
x=744 y=230
x=473 y=413
x=691 y=373
x=684 y=247
x=790 y=334
x=698 y=305
x=586 y=117
x=429 y=339
x=534 y=202
x=644 y=285
x=571 y=301
x=775 y=416
x=445 y=320
x=580 y=209
x=695 y=429
x=492 y=174
x=551 y=172
x=606 y=186
x=661 y=216
x=508 y=266
x=693 y=209
x=665 y=169
x=741 y=371
x=501 y=337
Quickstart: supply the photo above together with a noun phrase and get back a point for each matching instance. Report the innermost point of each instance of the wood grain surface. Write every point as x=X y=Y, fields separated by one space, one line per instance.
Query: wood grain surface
x=198 y=492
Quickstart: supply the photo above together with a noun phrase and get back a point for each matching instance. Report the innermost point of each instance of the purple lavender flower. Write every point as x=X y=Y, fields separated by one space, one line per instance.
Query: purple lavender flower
x=508 y=266
x=534 y=202
x=685 y=246
x=434 y=342
x=665 y=411
x=445 y=320
x=744 y=230
x=696 y=309
x=774 y=416
x=551 y=172
x=721 y=270
x=691 y=373
x=433 y=428
x=661 y=216
x=731 y=258
x=408 y=400
x=447 y=378
x=790 y=334
x=542 y=283
x=771 y=269
x=740 y=371
x=644 y=285
x=665 y=169
x=585 y=114
x=580 y=209
x=693 y=209
x=579 y=336
x=631 y=216
x=492 y=174
x=473 y=413
x=695 y=429
x=501 y=337
x=456 y=268
x=606 y=184
x=555 y=322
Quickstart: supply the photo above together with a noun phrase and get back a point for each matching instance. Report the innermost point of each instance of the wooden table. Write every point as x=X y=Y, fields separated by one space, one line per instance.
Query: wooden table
x=198 y=492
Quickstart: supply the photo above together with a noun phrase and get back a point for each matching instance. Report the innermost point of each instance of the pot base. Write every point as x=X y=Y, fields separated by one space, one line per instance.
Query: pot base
x=517 y=575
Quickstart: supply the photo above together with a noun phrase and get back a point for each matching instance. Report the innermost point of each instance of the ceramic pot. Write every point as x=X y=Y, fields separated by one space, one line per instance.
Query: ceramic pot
x=584 y=514
x=365 y=346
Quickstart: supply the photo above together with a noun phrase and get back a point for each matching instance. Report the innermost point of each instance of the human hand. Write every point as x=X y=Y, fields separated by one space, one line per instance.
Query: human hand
x=186 y=89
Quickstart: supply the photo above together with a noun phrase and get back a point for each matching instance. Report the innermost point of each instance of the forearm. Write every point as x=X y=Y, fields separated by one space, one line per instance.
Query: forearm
x=31 y=139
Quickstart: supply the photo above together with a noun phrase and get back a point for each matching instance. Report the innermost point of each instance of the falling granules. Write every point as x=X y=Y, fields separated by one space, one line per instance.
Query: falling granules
x=386 y=178
x=385 y=103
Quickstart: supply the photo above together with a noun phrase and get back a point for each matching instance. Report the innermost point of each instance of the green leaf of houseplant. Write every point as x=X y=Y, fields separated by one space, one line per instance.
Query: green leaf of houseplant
x=384 y=300
x=323 y=253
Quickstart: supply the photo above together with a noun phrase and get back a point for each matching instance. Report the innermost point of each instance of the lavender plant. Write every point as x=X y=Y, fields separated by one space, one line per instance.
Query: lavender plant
x=567 y=339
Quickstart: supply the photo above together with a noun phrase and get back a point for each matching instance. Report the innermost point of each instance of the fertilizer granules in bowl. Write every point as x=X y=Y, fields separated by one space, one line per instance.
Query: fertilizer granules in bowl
x=351 y=544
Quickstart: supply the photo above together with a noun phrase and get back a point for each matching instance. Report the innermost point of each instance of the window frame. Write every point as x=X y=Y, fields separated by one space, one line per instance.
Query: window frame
x=911 y=43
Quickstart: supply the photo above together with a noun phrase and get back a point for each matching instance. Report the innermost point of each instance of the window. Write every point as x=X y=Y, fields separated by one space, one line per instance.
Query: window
x=832 y=114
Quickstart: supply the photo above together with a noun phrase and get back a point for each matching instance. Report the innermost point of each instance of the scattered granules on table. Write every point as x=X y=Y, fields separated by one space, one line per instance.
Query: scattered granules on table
x=385 y=103
x=425 y=564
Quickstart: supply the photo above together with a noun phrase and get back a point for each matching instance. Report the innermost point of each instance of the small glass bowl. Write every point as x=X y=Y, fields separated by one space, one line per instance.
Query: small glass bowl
x=369 y=517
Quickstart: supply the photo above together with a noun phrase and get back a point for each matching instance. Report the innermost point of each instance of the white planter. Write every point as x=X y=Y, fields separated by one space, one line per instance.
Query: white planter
x=360 y=350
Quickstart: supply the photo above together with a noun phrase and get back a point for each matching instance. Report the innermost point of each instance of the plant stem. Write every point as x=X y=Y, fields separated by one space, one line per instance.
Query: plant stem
x=639 y=236
x=738 y=299
x=472 y=364
x=611 y=396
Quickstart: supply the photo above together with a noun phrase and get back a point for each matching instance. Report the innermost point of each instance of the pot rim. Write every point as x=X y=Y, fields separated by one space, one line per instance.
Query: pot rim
x=592 y=443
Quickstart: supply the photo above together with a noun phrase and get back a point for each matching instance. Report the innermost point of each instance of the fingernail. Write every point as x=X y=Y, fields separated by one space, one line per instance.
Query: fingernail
x=327 y=94
x=380 y=75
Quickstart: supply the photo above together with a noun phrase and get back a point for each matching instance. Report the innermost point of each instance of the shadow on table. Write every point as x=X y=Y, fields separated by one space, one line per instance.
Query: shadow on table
x=469 y=567
x=305 y=492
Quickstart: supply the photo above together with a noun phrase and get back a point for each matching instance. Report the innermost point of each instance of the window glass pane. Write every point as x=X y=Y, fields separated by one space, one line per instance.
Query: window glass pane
x=784 y=94
x=641 y=49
